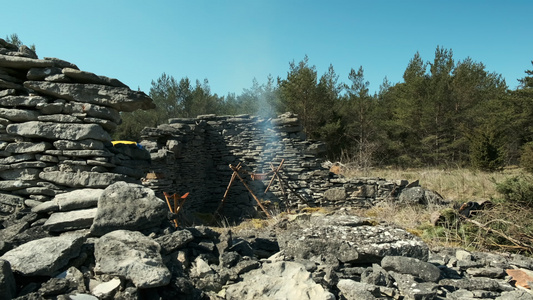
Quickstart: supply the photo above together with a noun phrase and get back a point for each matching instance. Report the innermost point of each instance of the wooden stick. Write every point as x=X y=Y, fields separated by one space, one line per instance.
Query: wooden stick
x=249 y=190
x=170 y=207
x=275 y=171
x=227 y=189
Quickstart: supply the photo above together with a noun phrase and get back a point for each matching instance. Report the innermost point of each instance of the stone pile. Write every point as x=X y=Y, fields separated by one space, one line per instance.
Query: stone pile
x=134 y=254
x=55 y=125
x=193 y=155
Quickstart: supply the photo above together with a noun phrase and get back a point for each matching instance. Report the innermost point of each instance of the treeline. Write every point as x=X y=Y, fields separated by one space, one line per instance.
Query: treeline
x=443 y=113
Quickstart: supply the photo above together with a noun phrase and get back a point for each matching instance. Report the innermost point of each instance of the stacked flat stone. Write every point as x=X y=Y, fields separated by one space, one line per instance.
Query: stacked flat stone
x=55 y=129
x=193 y=155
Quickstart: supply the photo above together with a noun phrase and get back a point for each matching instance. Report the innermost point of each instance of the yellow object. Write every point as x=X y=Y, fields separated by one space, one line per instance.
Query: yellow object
x=123 y=142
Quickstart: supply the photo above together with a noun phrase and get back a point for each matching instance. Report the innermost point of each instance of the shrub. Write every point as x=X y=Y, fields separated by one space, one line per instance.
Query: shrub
x=517 y=190
x=486 y=150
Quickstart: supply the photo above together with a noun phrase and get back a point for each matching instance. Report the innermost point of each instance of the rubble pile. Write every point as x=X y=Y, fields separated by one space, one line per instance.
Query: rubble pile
x=55 y=125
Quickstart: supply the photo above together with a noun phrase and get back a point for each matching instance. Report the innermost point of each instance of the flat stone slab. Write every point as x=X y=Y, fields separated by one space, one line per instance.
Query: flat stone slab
x=44 y=257
x=72 y=220
x=348 y=239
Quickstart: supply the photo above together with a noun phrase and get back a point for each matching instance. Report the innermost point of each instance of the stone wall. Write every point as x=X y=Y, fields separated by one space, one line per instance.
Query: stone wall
x=55 y=125
x=193 y=155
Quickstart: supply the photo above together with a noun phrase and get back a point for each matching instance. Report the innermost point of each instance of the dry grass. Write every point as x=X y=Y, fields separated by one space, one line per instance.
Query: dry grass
x=456 y=185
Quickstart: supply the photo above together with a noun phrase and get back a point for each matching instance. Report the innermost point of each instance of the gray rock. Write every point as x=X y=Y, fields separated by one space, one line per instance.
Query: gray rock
x=71 y=220
x=335 y=194
x=107 y=290
x=88 y=77
x=351 y=289
x=61 y=63
x=329 y=239
x=279 y=280
x=59 y=118
x=44 y=257
x=119 y=98
x=11 y=185
x=513 y=295
x=491 y=272
x=175 y=240
x=412 y=289
x=472 y=284
x=419 y=195
x=27 y=101
x=11 y=199
x=19 y=115
x=42 y=73
x=128 y=206
x=413 y=266
x=81 y=179
x=8 y=286
x=133 y=256
x=87 y=144
x=27 y=147
x=23 y=62
x=17 y=157
x=59 y=131
x=77 y=199
x=26 y=174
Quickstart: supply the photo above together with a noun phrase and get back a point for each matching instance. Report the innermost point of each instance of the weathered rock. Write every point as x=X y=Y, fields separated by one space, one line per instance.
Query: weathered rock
x=23 y=62
x=119 y=98
x=335 y=194
x=59 y=131
x=419 y=195
x=88 y=77
x=279 y=280
x=351 y=289
x=77 y=199
x=175 y=240
x=107 y=290
x=27 y=147
x=8 y=286
x=128 y=206
x=23 y=101
x=82 y=179
x=44 y=257
x=344 y=238
x=71 y=220
x=133 y=256
x=19 y=115
x=413 y=266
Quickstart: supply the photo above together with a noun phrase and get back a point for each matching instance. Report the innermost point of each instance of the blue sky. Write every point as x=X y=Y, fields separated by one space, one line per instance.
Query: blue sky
x=232 y=42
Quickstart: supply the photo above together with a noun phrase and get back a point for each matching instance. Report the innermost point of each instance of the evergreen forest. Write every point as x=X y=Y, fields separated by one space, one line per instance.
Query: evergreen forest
x=445 y=113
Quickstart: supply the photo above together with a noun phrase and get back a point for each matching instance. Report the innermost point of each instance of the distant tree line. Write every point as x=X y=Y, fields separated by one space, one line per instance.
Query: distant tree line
x=443 y=113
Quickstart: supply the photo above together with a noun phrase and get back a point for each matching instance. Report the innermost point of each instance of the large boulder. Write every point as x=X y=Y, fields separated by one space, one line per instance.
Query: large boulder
x=347 y=239
x=133 y=256
x=278 y=280
x=46 y=256
x=128 y=206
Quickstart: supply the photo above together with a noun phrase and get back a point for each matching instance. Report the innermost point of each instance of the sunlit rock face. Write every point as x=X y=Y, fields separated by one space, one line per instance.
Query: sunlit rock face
x=56 y=123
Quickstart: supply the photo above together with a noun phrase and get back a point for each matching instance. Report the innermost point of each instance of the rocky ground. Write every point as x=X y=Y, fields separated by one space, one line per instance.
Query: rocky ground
x=129 y=249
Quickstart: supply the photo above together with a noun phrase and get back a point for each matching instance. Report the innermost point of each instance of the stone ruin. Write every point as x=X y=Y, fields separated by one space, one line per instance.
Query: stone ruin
x=77 y=224
x=194 y=154
x=56 y=124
